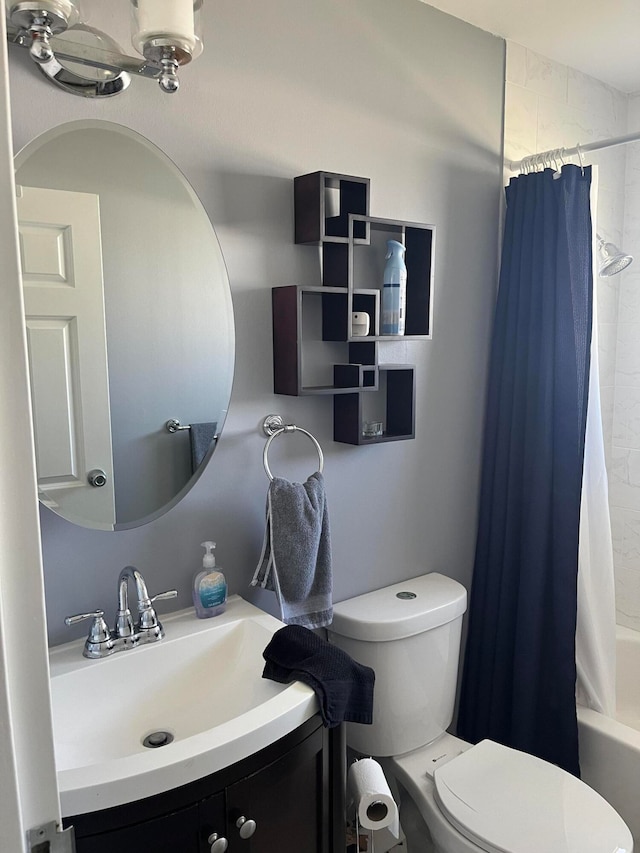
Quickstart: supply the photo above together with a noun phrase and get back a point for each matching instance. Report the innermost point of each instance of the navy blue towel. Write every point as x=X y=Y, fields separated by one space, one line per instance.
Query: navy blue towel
x=343 y=686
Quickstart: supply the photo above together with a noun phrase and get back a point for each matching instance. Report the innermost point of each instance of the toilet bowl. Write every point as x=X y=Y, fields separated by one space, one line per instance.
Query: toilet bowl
x=486 y=797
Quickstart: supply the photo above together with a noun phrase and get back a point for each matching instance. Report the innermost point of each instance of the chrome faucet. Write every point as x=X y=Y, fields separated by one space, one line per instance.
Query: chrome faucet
x=126 y=634
x=124 y=627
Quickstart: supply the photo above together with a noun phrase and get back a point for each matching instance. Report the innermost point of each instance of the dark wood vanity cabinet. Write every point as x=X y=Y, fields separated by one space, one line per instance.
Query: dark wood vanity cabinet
x=168 y=834
x=293 y=790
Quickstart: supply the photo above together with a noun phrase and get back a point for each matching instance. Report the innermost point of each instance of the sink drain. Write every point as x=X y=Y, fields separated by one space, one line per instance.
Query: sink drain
x=156 y=739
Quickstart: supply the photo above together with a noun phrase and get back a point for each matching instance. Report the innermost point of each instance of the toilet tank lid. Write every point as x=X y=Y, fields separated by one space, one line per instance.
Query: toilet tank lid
x=400 y=610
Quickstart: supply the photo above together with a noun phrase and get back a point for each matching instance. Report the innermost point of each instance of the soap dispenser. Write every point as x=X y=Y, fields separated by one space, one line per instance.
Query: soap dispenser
x=209 y=586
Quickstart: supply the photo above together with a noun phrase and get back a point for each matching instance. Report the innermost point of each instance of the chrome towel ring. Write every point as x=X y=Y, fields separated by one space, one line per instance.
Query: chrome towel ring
x=274 y=426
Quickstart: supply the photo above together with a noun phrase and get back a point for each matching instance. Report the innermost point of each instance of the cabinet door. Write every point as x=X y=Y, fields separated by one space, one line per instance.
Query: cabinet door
x=212 y=822
x=286 y=799
x=173 y=833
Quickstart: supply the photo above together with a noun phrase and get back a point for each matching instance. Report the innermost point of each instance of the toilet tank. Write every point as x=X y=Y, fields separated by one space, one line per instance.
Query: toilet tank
x=409 y=633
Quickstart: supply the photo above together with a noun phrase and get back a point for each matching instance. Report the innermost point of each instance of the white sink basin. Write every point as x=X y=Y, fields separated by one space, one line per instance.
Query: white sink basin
x=202 y=683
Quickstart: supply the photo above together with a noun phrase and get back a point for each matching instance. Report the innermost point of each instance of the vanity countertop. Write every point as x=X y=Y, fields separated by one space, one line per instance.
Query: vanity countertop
x=202 y=683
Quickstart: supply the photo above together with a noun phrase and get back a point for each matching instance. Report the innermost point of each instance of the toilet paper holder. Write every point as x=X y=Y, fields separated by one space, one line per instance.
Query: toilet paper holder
x=375 y=807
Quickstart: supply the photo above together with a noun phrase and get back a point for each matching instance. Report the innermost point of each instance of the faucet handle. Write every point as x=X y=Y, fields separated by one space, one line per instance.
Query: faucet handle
x=99 y=643
x=98 y=626
x=149 y=621
x=170 y=593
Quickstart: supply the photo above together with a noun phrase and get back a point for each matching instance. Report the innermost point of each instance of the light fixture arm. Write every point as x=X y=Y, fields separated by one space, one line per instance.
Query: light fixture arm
x=108 y=60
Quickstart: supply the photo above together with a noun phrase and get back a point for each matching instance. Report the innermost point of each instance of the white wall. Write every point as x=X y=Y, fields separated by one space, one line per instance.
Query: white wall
x=29 y=793
x=547 y=106
x=389 y=89
x=624 y=476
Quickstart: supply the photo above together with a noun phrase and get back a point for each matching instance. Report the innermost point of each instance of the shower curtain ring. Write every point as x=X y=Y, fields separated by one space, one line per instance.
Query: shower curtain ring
x=580 y=158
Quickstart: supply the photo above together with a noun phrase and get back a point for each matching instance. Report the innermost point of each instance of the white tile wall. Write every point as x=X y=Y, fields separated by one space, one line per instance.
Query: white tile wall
x=626 y=417
x=625 y=479
x=548 y=105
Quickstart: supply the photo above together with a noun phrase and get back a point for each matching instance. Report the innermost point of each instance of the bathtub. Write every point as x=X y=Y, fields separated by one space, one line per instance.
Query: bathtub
x=610 y=749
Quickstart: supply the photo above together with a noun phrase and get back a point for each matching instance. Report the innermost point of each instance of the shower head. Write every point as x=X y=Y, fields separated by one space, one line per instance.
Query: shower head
x=612 y=260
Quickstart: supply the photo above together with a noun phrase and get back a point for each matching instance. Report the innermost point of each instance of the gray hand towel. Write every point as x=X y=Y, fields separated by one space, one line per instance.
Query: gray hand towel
x=295 y=562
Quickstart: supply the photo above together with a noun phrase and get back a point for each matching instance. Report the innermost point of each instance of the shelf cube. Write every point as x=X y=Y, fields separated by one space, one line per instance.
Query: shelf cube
x=323 y=202
x=365 y=266
x=396 y=408
x=310 y=327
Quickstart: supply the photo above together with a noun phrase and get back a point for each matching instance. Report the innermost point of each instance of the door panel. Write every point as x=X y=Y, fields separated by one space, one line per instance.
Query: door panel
x=61 y=257
x=212 y=820
x=174 y=833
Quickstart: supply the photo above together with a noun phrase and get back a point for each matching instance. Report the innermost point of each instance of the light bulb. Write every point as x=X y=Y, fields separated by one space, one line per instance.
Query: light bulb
x=167 y=33
x=174 y=23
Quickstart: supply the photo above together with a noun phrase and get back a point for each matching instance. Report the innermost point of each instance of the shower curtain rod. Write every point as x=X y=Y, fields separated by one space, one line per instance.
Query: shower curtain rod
x=516 y=165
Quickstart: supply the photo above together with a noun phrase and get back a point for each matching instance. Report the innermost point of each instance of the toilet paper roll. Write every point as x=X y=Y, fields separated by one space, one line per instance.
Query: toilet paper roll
x=369 y=789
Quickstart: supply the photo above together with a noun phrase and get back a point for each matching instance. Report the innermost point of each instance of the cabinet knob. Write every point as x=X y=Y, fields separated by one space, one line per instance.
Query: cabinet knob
x=246 y=826
x=218 y=843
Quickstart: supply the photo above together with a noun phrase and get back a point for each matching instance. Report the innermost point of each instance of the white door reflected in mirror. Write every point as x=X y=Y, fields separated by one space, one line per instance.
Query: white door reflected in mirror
x=61 y=258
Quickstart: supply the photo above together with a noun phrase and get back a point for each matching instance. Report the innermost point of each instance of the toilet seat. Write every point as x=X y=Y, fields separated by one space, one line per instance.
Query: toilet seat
x=506 y=801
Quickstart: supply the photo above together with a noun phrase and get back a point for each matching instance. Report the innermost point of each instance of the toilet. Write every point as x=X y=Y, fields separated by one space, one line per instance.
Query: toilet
x=456 y=797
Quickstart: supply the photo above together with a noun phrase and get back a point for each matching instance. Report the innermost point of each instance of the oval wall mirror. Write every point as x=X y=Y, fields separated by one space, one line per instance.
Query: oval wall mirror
x=129 y=324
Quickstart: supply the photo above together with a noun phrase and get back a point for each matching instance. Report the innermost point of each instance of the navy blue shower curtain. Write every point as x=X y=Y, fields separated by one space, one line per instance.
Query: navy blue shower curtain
x=519 y=676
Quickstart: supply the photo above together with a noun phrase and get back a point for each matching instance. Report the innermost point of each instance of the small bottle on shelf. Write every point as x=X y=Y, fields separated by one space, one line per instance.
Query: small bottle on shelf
x=394 y=290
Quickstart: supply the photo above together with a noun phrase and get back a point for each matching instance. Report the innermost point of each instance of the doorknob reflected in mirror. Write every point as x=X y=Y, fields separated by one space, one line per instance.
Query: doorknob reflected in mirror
x=97 y=478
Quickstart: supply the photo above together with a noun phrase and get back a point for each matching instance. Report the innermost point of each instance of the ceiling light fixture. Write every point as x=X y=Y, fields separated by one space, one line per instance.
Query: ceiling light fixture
x=167 y=33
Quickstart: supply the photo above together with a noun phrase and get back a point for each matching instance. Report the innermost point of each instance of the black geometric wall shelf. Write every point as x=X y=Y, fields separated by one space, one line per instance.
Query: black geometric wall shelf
x=315 y=348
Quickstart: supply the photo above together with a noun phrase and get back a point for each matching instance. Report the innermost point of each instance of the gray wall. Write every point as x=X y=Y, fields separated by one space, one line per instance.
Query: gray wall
x=388 y=89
